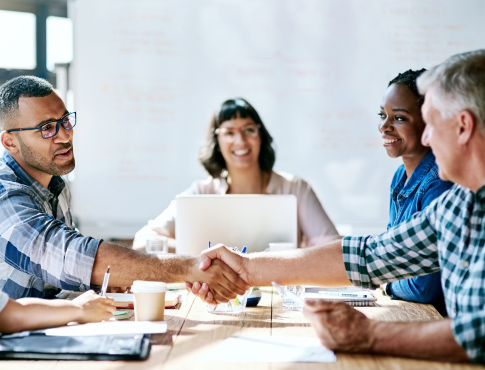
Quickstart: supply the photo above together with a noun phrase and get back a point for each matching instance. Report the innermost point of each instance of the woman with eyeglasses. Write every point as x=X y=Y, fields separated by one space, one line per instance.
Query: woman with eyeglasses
x=416 y=183
x=239 y=158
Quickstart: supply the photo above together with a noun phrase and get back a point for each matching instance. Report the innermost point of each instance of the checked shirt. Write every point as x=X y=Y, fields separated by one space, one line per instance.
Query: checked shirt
x=447 y=236
x=40 y=251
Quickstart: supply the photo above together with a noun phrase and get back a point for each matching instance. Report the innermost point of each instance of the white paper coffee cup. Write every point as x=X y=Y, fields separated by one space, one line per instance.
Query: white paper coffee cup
x=149 y=300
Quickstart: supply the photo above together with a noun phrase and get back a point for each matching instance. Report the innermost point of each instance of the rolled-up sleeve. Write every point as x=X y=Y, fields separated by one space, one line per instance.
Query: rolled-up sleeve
x=404 y=251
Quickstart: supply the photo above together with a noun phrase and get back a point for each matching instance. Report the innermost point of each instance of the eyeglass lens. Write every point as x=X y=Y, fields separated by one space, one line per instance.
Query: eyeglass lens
x=50 y=129
x=229 y=134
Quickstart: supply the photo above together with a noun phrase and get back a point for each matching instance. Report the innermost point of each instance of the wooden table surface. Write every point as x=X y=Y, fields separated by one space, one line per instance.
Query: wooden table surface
x=194 y=333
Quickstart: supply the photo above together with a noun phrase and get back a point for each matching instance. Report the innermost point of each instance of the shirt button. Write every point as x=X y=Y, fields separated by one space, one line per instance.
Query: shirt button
x=465 y=264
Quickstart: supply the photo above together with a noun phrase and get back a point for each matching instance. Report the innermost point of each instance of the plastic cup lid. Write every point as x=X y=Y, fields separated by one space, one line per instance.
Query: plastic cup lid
x=140 y=286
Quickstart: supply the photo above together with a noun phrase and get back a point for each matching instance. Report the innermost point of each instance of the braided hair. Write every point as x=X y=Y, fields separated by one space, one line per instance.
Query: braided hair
x=409 y=78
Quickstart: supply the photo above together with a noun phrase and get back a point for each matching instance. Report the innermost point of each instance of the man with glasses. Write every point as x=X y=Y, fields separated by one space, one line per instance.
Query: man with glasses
x=40 y=250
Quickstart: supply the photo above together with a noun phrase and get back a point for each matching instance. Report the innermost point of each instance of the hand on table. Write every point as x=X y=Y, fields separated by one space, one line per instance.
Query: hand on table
x=339 y=326
x=218 y=282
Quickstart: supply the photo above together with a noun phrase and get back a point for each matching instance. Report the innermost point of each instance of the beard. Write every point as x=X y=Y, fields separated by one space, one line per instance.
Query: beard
x=45 y=164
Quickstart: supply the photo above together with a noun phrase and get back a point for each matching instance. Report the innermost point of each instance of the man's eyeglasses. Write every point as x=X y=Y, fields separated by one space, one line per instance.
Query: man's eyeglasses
x=228 y=134
x=50 y=129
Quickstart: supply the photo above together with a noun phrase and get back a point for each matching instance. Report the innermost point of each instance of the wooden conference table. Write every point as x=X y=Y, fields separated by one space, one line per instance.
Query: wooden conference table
x=193 y=333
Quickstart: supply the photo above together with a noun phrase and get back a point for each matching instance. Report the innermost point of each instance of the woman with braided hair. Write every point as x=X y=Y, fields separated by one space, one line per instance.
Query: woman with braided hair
x=416 y=183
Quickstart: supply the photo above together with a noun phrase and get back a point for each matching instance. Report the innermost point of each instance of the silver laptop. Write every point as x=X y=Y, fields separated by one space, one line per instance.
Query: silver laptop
x=234 y=220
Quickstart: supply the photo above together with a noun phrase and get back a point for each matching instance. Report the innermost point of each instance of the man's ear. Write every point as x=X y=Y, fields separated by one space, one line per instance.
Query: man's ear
x=466 y=126
x=9 y=142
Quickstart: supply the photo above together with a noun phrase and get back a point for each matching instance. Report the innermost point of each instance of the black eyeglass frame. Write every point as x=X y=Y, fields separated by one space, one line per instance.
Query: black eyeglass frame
x=58 y=123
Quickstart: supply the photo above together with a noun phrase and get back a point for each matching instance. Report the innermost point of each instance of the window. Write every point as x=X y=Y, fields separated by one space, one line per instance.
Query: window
x=59 y=41
x=17 y=43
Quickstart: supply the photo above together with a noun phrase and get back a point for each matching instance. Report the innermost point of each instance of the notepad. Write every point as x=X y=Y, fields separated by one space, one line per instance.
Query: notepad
x=351 y=296
x=271 y=349
x=126 y=300
x=109 y=328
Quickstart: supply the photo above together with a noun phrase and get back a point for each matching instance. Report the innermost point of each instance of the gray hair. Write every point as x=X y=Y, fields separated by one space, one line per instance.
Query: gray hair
x=459 y=84
x=22 y=86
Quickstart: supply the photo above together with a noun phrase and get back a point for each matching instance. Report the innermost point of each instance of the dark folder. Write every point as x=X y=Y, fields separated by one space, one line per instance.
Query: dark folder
x=43 y=347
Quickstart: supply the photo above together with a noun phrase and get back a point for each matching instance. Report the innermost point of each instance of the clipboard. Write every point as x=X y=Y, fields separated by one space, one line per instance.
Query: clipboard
x=42 y=347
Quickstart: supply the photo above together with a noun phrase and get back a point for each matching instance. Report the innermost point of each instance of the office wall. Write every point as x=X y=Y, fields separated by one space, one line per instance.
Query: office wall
x=148 y=75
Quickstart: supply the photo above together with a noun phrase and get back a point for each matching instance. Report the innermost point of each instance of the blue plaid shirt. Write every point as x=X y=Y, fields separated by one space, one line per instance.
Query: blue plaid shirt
x=449 y=235
x=40 y=251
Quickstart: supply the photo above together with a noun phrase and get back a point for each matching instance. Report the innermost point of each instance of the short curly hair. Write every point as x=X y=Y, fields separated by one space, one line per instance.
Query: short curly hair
x=12 y=90
x=210 y=155
x=409 y=79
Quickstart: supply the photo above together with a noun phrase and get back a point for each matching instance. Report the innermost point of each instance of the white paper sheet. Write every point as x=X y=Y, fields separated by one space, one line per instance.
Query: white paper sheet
x=110 y=328
x=272 y=349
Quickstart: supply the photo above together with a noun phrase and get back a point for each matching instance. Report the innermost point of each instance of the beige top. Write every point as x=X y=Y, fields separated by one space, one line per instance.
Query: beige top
x=314 y=226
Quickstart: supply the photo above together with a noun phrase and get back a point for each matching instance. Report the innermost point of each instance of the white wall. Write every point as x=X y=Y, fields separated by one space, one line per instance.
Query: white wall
x=148 y=75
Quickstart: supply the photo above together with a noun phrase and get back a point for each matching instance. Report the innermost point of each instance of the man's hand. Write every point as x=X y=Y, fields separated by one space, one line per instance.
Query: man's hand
x=220 y=282
x=339 y=326
x=235 y=260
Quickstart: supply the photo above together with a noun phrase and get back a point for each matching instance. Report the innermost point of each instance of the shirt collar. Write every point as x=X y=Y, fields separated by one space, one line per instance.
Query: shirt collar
x=480 y=194
x=419 y=173
x=56 y=184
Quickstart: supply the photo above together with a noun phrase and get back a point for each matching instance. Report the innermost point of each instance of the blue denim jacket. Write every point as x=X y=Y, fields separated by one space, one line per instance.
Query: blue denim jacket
x=406 y=199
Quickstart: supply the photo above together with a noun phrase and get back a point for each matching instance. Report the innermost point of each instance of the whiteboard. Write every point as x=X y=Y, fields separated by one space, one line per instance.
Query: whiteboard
x=147 y=76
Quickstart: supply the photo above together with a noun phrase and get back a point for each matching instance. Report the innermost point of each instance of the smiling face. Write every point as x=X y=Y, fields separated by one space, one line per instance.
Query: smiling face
x=401 y=123
x=42 y=158
x=239 y=147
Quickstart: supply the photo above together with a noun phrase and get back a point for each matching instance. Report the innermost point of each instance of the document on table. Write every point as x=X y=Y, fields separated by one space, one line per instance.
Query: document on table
x=272 y=349
x=110 y=328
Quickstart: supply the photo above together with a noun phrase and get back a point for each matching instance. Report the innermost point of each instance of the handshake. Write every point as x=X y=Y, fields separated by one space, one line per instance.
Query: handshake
x=221 y=275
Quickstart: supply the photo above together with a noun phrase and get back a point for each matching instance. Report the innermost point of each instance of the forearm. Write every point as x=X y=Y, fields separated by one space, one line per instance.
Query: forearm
x=127 y=265
x=322 y=265
x=32 y=314
x=425 y=340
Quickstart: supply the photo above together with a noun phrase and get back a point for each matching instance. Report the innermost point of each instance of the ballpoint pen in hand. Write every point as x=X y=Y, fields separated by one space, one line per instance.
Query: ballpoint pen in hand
x=105 y=283
x=286 y=293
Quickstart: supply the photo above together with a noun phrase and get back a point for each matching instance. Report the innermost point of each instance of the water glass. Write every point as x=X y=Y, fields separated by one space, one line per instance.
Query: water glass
x=157 y=244
x=289 y=303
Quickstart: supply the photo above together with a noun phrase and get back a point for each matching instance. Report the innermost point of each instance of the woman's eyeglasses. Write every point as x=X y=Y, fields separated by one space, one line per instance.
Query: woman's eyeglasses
x=229 y=134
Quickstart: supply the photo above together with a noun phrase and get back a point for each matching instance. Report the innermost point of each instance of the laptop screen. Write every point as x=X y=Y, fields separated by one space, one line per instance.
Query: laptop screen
x=234 y=220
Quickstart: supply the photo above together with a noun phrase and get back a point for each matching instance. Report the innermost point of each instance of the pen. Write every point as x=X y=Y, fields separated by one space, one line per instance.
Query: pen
x=105 y=283
x=244 y=249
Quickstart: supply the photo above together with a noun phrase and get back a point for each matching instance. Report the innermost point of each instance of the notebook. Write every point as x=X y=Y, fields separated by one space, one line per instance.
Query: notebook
x=241 y=220
x=42 y=347
x=350 y=295
x=125 y=300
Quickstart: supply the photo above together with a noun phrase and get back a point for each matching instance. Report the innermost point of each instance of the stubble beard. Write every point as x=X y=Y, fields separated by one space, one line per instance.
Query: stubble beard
x=46 y=165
